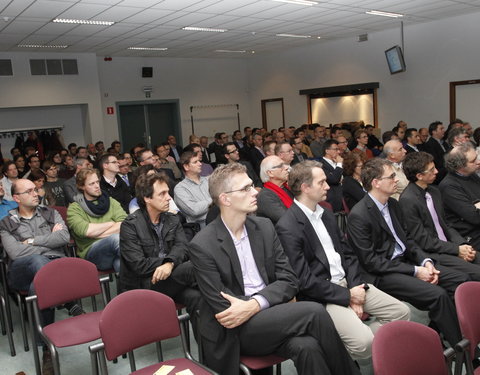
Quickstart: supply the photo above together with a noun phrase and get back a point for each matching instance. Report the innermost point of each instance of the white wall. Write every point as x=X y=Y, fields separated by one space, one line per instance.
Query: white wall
x=194 y=82
x=25 y=90
x=436 y=53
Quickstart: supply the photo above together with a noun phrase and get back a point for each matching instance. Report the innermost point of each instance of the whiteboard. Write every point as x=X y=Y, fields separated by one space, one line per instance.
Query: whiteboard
x=208 y=120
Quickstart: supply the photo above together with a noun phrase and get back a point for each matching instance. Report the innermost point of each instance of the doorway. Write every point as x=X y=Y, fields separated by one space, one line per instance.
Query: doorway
x=273 y=115
x=149 y=122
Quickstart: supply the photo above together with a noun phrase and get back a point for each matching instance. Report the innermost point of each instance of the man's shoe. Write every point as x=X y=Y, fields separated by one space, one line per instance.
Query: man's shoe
x=47 y=364
x=74 y=309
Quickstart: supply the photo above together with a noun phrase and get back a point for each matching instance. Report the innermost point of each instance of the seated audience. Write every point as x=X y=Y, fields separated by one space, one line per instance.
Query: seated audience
x=245 y=309
x=361 y=137
x=191 y=194
x=422 y=204
x=343 y=149
x=413 y=140
x=457 y=136
x=5 y=204
x=175 y=149
x=256 y=153
x=305 y=149
x=9 y=176
x=45 y=197
x=275 y=197
x=333 y=168
x=54 y=185
x=395 y=153
x=111 y=183
x=298 y=155
x=19 y=161
x=207 y=168
x=162 y=152
x=32 y=236
x=153 y=246
x=374 y=143
x=326 y=267
x=391 y=259
x=94 y=219
x=352 y=187
x=68 y=170
x=285 y=152
x=436 y=147
x=70 y=186
x=319 y=139
x=461 y=192
x=269 y=148
x=124 y=171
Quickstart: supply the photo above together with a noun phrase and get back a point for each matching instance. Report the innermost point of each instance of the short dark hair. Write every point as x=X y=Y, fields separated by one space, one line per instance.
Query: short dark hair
x=373 y=169
x=140 y=153
x=334 y=129
x=301 y=173
x=235 y=132
x=115 y=143
x=186 y=157
x=98 y=143
x=144 y=186
x=141 y=170
x=225 y=149
x=387 y=136
x=71 y=145
x=433 y=126
x=104 y=160
x=80 y=148
x=6 y=165
x=327 y=144
x=35 y=175
x=29 y=159
x=409 y=132
x=414 y=163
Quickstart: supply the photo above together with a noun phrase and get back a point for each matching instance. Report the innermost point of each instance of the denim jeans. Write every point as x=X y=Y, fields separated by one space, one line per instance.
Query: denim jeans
x=21 y=272
x=105 y=253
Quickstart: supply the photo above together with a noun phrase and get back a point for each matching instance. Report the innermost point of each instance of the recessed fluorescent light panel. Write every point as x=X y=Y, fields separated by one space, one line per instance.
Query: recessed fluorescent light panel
x=384 y=14
x=294 y=35
x=148 y=48
x=298 y=2
x=41 y=46
x=83 y=22
x=193 y=28
x=230 y=51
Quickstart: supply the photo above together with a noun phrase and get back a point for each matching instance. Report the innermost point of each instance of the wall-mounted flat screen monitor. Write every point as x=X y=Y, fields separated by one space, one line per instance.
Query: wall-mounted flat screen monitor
x=395 y=60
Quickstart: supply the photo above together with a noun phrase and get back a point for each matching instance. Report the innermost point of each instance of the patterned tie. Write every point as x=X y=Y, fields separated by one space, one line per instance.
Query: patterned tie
x=125 y=178
x=433 y=213
x=399 y=245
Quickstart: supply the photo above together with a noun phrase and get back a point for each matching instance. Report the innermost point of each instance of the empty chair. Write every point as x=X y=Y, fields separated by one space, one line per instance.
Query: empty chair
x=466 y=301
x=58 y=282
x=248 y=363
x=137 y=318
x=408 y=348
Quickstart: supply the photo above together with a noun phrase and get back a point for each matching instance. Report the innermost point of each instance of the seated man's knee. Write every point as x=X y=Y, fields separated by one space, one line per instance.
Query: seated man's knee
x=361 y=348
x=403 y=312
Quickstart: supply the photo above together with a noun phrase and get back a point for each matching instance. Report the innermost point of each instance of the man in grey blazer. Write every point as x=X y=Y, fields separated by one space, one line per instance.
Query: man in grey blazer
x=246 y=281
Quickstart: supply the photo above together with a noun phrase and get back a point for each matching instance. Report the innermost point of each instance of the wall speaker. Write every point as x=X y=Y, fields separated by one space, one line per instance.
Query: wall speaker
x=147 y=72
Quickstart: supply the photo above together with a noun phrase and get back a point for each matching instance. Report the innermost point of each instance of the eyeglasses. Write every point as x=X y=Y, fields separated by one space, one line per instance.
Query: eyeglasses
x=232 y=152
x=333 y=149
x=391 y=177
x=112 y=162
x=431 y=170
x=29 y=191
x=245 y=189
x=279 y=166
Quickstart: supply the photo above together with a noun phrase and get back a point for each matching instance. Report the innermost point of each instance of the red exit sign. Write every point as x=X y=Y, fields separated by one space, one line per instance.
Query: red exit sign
x=110 y=111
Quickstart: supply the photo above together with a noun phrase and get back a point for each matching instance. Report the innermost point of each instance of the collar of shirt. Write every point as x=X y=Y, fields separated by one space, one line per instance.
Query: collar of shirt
x=362 y=148
x=234 y=239
x=113 y=183
x=379 y=205
x=332 y=163
x=397 y=166
x=316 y=215
x=414 y=147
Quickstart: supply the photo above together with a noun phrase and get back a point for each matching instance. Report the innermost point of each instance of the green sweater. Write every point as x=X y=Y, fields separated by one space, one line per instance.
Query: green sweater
x=78 y=221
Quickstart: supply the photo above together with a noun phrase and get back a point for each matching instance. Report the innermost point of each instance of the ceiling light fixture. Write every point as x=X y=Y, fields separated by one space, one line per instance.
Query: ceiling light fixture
x=230 y=51
x=384 y=14
x=298 y=2
x=41 y=46
x=193 y=28
x=148 y=48
x=83 y=22
x=294 y=35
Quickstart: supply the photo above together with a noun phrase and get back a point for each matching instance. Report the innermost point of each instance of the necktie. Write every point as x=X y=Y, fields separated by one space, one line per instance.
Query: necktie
x=399 y=245
x=125 y=178
x=433 y=213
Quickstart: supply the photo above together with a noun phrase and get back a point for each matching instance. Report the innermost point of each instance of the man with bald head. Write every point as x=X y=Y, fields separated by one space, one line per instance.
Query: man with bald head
x=395 y=152
x=275 y=197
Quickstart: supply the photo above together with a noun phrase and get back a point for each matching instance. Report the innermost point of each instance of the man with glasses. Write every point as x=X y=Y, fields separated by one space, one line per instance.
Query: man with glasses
x=111 y=182
x=395 y=153
x=32 y=236
x=343 y=149
x=246 y=281
x=94 y=219
x=392 y=261
x=232 y=154
x=422 y=203
x=275 y=197
x=333 y=168
x=361 y=137
x=285 y=152
x=124 y=170
x=256 y=152
x=298 y=155
x=191 y=194
x=461 y=192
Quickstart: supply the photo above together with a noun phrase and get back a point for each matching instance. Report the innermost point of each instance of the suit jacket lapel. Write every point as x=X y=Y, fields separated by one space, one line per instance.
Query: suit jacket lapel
x=258 y=251
x=228 y=247
x=375 y=211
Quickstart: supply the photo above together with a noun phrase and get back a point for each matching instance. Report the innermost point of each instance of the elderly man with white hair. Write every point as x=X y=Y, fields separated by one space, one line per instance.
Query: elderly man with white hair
x=275 y=197
x=395 y=152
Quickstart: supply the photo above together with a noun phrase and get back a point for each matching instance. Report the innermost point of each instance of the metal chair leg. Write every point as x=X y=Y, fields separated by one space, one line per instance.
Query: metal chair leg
x=21 y=308
x=8 y=327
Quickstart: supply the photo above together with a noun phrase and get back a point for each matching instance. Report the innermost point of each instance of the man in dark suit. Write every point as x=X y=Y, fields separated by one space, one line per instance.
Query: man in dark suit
x=332 y=166
x=232 y=154
x=175 y=150
x=461 y=192
x=422 y=204
x=256 y=153
x=413 y=140
x=393 y=261
x=436 y=147
x=326 y=267
x=298 y=155
x=246 y=282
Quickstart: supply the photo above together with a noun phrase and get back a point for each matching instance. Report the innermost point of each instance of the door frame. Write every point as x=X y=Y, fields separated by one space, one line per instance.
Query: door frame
x=264 y=111
x=453 y=95
x=178 y=125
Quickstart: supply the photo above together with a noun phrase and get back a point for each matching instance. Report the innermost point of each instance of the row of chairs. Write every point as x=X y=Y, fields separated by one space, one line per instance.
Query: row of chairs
x=409 y=348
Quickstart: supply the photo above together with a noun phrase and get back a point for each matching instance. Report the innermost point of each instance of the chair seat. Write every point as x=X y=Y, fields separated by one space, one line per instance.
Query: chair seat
x=259 y=362
x=180 y=365
x=74 y=331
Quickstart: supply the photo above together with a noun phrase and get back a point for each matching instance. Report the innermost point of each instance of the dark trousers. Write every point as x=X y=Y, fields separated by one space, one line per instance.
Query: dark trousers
x=436 y=299
x=472 y=269
x=301 y=331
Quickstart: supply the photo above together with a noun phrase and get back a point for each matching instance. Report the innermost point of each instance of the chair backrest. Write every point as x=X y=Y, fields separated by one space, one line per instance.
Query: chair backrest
x=403 y=347
x=136 y=318
x=65 y=279
x=466 y=301
x=62 y=211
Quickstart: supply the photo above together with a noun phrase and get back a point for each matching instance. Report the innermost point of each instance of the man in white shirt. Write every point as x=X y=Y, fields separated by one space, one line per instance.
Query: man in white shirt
x=395 y=152
x=327 y=269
